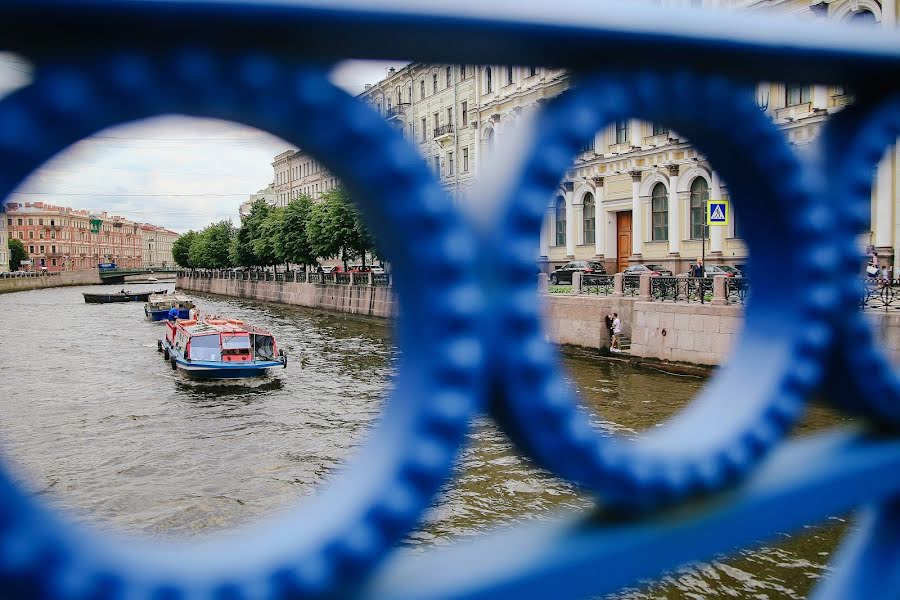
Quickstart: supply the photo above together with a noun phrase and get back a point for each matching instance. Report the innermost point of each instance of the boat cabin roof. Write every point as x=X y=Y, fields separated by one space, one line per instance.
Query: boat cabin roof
x=169 y=298
x=206 y=328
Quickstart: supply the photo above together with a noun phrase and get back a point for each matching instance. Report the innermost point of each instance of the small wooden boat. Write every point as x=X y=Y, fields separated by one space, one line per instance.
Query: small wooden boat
x=159 y=307
x=220 y=349
x=122 y=296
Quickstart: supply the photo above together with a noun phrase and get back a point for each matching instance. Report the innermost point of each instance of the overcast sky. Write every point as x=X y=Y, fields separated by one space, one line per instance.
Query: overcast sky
x=177 y=172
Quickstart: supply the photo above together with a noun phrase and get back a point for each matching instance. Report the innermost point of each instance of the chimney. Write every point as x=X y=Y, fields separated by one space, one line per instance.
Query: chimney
x=391 y=71
x=368 y=86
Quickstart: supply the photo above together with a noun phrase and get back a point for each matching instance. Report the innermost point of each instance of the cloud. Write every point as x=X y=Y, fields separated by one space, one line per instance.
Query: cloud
x=177 y=172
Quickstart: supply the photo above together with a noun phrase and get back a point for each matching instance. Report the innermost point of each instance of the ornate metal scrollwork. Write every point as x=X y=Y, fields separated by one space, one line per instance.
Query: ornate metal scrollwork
x=474 y=332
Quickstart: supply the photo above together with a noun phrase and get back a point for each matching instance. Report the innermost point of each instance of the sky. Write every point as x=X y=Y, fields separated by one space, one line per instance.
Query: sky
x=177 y=172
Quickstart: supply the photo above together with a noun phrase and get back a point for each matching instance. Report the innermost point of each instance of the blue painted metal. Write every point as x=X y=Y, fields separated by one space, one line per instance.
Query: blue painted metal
x=715 y=477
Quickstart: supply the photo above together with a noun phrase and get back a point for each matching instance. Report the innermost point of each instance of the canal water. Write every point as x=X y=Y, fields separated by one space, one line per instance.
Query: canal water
x=96 y=423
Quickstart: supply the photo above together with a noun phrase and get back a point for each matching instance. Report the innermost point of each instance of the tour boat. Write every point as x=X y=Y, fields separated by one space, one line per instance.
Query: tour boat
x=159 y=307
x=215 y=348
x=122 y=296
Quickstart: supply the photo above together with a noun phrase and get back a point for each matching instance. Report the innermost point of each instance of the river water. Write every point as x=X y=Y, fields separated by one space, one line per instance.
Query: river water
x=96 y=423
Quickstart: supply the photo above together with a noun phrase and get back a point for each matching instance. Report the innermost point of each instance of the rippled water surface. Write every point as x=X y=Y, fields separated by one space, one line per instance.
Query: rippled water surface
x=95 y=422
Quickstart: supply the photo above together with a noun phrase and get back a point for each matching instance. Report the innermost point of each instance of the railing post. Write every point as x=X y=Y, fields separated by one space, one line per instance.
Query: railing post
x=720 y=296
x=576 y=283
x=369 y=278
x=644 y=293
x=352 y=275
x=618 y=285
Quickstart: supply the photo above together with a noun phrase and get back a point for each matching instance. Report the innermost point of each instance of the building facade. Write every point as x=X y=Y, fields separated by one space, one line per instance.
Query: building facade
x=59 y=238
x=267 y=194
x=637 y=191
x=4 y=244
x=156 y=245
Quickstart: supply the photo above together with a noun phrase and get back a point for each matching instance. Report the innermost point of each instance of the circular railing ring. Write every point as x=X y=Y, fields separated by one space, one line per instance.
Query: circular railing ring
x=751 y=401
x=336 y=536
x=864 y=379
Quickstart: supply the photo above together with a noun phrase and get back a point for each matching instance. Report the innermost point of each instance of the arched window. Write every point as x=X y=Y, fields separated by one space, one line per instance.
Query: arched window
x=434 y=83
x=590 y=221
x=488 y=84
x=560 y=221
x=659 y=209
x=865 y=16
x=422 y=89
x=490 y=139
x=399 y=97
x=509 y=75
x=699 y=196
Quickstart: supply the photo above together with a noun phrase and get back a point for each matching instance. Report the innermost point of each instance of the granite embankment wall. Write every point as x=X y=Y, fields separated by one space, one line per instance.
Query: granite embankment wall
x=683 y=332
x=694 y=333
x=20 y=284
x=375 y=301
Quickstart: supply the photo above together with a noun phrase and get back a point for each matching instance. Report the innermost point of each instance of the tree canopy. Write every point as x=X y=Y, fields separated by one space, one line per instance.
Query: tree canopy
x=17 y=254
x=299 y=233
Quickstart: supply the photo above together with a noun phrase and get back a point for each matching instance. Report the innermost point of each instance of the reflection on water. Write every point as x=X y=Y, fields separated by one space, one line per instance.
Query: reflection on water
x=98 y=424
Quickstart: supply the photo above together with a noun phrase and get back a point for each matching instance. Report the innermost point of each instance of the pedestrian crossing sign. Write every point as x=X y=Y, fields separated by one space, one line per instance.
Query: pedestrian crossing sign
x=717 y=212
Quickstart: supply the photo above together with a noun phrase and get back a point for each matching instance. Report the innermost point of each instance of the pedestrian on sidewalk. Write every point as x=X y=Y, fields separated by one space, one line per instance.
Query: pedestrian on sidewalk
x=697 y=269
x=616 y=334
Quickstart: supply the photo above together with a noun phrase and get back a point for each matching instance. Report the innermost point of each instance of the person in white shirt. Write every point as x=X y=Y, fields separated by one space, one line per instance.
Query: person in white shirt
x=616 y=332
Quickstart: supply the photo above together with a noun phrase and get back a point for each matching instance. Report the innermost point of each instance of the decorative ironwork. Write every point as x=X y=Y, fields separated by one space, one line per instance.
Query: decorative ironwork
x=631 y=285
x=342 y=278
x=228 y=60
x=877 y=294
x=314 y=277
x=601 y=285
x=381 y=279
x=737 y=290
x=681 y=289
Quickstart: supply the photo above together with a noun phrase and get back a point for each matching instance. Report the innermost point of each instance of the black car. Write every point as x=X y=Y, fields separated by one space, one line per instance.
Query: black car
x=654 y=270
x=564 y=273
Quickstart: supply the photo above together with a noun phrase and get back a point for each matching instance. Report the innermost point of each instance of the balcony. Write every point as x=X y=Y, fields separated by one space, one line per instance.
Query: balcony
x=397 y=112
x=443 y=134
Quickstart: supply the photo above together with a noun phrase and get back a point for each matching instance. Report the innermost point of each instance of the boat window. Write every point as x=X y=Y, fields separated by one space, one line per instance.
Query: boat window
x=232 y=342
x=264 y=347
x=206 y=347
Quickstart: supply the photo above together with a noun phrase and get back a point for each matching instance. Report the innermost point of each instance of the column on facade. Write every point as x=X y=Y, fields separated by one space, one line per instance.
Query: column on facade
x=570 y=219
x=716 y=233
x=579 y=224
x=883 y=203
x=674 y=212
x=637 y=217
x=549 y=226
x=635 y=134
x=889 y=12
x=599 y=218
x=545 y=234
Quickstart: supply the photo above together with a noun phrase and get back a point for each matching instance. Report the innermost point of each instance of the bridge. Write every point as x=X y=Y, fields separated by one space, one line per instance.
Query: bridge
x=119 y=275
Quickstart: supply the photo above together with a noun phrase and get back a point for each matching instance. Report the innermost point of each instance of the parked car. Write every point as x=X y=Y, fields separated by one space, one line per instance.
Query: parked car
x=715 y=271
x=652 y=270
x=735 y=272
x=564 y=273
x=359 y=269
x=378 y=270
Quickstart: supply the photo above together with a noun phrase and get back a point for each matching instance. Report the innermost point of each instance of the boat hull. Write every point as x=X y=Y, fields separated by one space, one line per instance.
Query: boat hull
x=119 y=297
x=162 y=315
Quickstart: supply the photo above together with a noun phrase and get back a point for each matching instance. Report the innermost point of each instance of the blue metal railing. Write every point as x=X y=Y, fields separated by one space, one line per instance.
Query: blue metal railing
x=719 y=476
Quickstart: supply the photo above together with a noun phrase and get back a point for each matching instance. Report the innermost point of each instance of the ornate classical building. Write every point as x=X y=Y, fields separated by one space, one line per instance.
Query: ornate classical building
x=636 y=192
x=157 y=246
x=60 y=238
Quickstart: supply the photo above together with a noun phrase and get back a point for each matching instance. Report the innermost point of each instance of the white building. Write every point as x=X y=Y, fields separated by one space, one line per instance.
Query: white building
x=267 y=194
x=636 y=192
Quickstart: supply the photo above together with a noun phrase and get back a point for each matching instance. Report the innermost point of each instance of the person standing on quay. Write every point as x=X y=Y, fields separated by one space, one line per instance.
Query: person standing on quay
x=697 y=269
x=616 y=333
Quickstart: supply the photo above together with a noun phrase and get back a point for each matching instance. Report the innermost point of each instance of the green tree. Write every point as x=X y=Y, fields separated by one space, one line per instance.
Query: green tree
x=243 y=251
x=197 y=252
x=17 y=254
x=217 y=251
x=181 y=249
x=335 y=228
x=292 y=243
x=264 y=248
